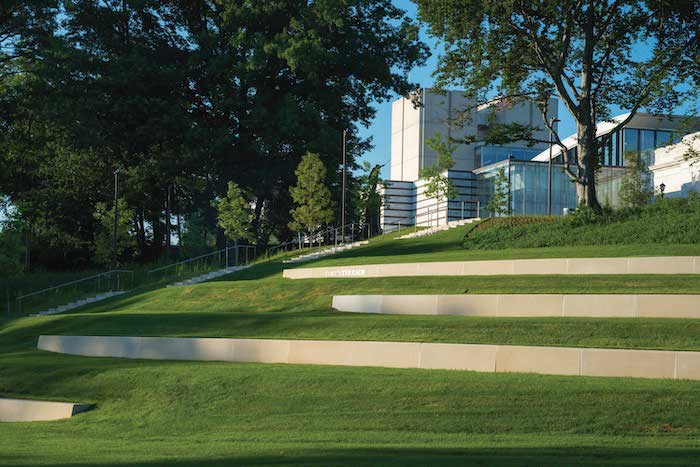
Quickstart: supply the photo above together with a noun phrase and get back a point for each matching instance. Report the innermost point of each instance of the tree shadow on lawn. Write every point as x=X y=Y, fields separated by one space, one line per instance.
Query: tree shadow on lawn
x=544 y=456
x=222 y=324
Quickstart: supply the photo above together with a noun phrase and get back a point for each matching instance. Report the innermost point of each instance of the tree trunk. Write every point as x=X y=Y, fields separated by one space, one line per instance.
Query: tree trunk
x=586 y=124
x=588 y=163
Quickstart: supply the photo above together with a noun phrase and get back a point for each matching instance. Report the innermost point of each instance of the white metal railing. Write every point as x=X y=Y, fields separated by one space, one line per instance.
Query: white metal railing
x=216 y=259
x=105 y=281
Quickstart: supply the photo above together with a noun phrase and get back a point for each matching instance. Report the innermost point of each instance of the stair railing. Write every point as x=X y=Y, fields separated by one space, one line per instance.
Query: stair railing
x=220 y=259
x=110 y=281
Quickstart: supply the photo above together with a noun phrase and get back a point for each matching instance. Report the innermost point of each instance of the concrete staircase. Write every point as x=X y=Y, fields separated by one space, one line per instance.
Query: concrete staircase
x=209 y=276
x=326 y=252
x=441 y=228
x=78 y=303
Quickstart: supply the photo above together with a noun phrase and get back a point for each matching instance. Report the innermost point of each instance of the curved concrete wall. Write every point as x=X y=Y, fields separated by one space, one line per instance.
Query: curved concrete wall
x=473 y=357
x=555 y=266
x=529 y=305
x=22 y=410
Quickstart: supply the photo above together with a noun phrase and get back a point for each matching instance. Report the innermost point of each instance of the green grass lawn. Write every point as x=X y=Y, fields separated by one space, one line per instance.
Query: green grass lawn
x=447 y=246
x=190 y=413
x=183 y=413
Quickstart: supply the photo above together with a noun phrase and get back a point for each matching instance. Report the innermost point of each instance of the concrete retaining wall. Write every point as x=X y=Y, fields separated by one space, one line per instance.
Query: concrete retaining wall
x=555 y=266
x=21 y=410
x=474 y=357
x=521 y=305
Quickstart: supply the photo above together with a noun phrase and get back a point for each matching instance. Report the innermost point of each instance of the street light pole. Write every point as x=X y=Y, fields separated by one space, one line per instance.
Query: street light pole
x=549 y=168
x=342 y=213
x=116 y=218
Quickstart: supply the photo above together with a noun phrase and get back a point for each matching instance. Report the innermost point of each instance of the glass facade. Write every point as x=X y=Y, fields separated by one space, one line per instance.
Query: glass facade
x=629 y=140
x=528 y=187
x=644 y=142
x=488 y=155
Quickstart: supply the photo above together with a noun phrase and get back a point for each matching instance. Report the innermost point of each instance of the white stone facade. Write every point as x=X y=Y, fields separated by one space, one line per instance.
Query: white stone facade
x=678 y=167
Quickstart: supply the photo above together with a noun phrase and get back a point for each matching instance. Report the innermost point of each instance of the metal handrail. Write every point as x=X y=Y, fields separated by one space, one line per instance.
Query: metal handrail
x=113 y=271
x=189 y=260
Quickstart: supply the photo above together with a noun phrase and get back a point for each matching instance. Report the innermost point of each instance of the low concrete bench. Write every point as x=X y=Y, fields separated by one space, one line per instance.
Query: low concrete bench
x=472 y=357
x=555 y=266
x=525 y=305
x=24 y=410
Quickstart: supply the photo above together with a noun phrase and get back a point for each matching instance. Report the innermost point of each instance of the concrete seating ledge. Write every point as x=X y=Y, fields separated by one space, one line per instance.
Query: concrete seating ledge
x=471 y=357
x=554 y=266
x=24 y=410
x=525 y=305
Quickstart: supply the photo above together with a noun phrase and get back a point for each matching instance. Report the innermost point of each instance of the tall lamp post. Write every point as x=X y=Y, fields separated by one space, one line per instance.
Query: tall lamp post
x=116 y=218
x=549 y=167
x=342 y=209
x=662 y=188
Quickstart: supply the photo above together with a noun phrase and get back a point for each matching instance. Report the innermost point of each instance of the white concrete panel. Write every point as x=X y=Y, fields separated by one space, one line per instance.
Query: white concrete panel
x=397 y=117
x=597 y=266
x=436 y=107
x=409 y=304
x=411 y=115
x=500 y=358
x=651 y=265
x=545 y=360
x=525 y=305
x=163 y=348
x=628 y=363
x=358 y=303
x=468 y=305
x=530 y=305
x=24 y=410
x=321 y=352
x=386 y=354
x=600 y=306
x=260 y=350
x=459 y=357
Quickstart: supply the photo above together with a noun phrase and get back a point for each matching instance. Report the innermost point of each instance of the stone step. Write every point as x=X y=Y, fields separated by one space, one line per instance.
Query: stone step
x=77 y=304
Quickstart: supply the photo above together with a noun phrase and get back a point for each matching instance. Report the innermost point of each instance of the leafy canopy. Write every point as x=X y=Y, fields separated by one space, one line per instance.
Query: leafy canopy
x=438 y=185
x=499 y=204
x=234 y=214
x=311 y=196
x=594 y=55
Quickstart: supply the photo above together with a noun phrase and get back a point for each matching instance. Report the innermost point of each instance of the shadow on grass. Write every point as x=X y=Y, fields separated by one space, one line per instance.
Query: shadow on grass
x=583 y=456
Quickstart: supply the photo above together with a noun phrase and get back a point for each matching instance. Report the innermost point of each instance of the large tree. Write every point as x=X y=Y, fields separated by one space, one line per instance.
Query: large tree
x=595 y=55
x=185 y=96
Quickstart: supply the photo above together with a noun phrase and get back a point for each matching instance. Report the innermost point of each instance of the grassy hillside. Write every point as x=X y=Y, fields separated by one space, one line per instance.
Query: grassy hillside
x=668 y=221
x=183 y=413
x=190 y=413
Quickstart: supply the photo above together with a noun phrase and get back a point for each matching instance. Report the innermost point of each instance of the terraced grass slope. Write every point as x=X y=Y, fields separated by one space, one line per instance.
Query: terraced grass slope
x=184 y=413
x=671 y=221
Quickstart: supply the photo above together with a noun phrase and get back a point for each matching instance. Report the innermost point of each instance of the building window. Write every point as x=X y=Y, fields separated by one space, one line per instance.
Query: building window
x=631 y=143
x=647 y=146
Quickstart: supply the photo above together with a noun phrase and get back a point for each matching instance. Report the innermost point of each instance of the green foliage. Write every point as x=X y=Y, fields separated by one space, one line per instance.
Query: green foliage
x=636 y=188
x=438 y=185
x=370 y=201
x=197 y=235
x=667 y=221
x=311 y=196
x=105 y=234
x=235 y=215
x=499 y=204
x=11 y=249
x=184 y=96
